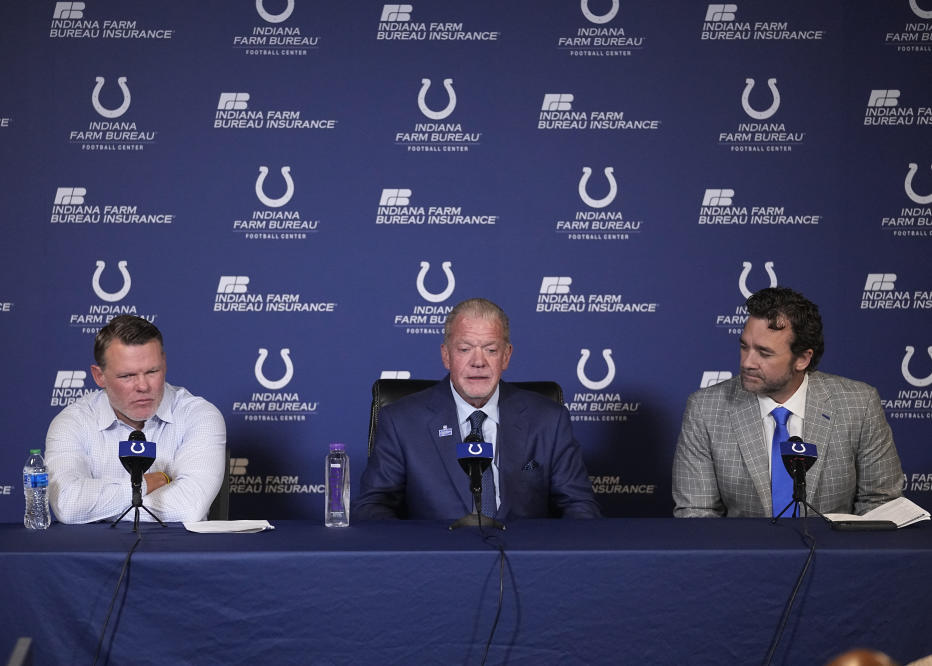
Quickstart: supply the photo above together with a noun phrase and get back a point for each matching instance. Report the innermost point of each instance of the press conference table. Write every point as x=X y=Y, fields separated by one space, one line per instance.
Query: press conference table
x=613 y=591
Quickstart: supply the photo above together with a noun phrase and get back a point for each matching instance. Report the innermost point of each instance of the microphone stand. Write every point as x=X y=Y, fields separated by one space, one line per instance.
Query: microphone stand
x=137 y=504
x=476 y=519
x=799 y=497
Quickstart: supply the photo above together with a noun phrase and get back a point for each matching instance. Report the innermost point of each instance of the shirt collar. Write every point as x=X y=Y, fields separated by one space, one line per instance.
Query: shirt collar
x=796 y=402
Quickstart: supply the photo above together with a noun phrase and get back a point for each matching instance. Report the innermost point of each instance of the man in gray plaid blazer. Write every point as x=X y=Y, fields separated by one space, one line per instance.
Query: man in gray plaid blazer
x=722 y=462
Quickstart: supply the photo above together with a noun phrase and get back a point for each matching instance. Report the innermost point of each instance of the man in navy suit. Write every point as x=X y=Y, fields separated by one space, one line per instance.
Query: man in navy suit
x=537 y=467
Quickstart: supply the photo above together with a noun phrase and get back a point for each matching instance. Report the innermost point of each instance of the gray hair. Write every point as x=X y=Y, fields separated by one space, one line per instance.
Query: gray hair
x=479 y=308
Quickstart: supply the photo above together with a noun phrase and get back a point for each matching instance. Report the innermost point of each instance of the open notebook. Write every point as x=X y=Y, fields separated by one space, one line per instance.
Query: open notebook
x=901 y=511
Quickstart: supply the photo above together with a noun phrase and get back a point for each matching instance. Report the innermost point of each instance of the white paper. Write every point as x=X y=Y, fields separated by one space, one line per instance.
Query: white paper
x=901 y=511
x=229 y=526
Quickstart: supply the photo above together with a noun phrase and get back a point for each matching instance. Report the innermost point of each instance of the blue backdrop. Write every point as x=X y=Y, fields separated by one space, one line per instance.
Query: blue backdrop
x=297 y=192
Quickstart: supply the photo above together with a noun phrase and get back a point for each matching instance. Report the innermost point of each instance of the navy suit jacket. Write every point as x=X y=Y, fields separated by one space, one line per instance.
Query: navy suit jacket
x=413 y=471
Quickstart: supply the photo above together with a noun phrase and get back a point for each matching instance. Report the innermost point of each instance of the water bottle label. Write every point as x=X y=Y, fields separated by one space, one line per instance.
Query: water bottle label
x=35 y=480
x=336 y=488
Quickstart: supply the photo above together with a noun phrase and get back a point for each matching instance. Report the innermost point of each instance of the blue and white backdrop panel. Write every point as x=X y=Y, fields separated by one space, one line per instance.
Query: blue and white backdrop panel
x=297 y=192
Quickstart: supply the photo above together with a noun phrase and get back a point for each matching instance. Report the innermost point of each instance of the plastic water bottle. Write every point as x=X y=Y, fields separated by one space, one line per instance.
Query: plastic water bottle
x=36 y=489
x=337 y=503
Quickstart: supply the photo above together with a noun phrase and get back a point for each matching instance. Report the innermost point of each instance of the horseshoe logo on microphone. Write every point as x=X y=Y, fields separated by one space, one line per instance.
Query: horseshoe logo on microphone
x=280 y=383
x=275 y=18
x=743 y=280
x=605 y=18
x=476 y=452
x=110 y=113
x=612 y=188
x=111 y=297
x=141 y=445
x=289 y=187
x=910 y=192
x=802 y=448
x=746 y=105
x=907 y=375
x=921 y=13
x=581 y=370
x=422 y=104
x=443 y=295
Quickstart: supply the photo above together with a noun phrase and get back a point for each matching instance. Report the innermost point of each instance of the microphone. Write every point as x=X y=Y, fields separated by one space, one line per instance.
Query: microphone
x=474 y=457
x=137 y=456
x=798 y=456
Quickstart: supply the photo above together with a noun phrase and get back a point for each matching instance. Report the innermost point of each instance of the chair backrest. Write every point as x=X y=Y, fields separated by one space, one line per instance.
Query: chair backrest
x=220 y=507
x=387 y=391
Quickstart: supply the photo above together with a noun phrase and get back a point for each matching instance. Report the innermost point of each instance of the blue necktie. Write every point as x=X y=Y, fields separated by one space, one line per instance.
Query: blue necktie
x=488 y=481
x=781 y=483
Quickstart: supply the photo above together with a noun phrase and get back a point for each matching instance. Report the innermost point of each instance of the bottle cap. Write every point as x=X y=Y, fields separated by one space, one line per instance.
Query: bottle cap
x=35 y=452
x=337 y=446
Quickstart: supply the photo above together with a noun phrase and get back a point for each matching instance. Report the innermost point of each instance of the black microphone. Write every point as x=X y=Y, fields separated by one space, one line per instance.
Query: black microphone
x=137 y=456
x=474 y=457
x=798 y=456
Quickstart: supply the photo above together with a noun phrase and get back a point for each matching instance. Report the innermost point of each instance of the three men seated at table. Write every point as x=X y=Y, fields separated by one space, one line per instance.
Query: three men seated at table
x=726 y=462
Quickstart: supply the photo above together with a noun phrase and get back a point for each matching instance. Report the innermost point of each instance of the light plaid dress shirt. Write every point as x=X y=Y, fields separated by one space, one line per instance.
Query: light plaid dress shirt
x=87 y=482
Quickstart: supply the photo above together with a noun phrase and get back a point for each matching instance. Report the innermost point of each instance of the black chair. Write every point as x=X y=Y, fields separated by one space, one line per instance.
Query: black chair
x=387 y=391
x=220 y=507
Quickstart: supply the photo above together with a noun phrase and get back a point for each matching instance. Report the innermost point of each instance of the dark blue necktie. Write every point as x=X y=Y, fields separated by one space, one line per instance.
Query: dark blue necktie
x=488 y=481
x=781 y=483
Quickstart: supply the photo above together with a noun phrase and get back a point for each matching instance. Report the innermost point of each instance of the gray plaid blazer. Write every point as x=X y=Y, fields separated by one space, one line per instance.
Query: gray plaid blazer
x=721 y=465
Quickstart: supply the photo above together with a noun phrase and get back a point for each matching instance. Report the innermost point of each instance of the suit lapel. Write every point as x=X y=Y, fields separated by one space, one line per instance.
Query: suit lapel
x=442 y=420
x=511 y=445
x=817 y=428
x=754 y=449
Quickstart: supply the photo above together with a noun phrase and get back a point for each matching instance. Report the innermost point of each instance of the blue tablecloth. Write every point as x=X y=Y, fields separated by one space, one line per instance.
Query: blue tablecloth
x=615 y=591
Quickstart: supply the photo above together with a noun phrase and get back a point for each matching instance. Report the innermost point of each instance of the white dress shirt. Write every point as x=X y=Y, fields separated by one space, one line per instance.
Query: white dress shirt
x=87 y=482
x=794 y=424
x=489 y=428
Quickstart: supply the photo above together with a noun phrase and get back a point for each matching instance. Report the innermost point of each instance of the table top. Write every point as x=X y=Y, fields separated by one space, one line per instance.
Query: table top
x=609 y=534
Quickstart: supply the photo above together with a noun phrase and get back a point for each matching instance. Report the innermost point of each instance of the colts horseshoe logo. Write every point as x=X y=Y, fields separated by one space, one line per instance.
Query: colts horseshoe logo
x=581 y=370
x=289 y=370
x=743 y=279
x=907 y=375
x=746 y=105
x=605 y=18
x=443 y=295
x=910 y=192
x=275 y=18
x=921 y=13
x=612 y=188
x=289 y=187
x=117 y=295
x=108 y=113
x=422 y=104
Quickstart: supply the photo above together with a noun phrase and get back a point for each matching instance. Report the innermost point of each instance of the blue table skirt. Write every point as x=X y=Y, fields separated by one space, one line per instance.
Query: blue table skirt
x=614 y=591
